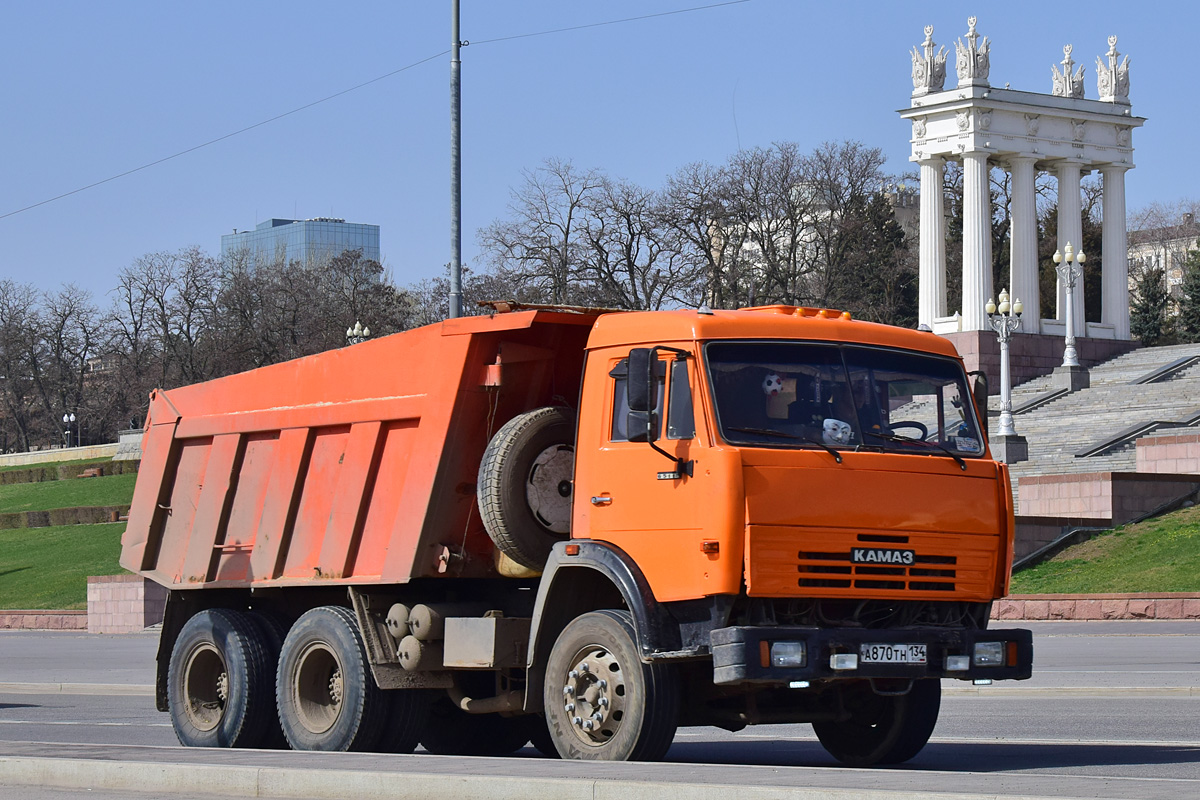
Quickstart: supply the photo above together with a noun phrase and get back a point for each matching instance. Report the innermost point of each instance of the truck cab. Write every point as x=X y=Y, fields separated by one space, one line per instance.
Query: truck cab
x=811 y=507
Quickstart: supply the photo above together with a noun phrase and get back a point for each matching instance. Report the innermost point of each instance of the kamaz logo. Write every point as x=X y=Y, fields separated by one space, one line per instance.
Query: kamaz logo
x=868 y=555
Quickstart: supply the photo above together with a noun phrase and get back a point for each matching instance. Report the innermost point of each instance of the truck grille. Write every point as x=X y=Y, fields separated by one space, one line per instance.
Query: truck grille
x=837 y=570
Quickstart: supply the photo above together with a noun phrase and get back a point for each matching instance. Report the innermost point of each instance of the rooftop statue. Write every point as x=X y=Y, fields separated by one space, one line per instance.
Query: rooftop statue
x=1066 y=83
x=929 y=70
x=1112 y=81
x=973 y=61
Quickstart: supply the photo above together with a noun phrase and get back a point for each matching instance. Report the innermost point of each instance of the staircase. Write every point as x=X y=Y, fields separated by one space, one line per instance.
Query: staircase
x=1059 y=429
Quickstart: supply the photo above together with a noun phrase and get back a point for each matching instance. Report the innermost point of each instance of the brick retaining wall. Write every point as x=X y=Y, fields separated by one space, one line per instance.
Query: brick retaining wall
x=43 y=620
x=1171 y=453
x=1113 y=496
x=1169 y=605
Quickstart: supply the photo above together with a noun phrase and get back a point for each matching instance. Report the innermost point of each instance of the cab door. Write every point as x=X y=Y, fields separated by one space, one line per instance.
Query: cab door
x=674 y=525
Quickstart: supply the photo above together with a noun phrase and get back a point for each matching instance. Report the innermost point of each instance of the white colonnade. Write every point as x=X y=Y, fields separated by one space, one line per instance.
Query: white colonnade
x=983 y=128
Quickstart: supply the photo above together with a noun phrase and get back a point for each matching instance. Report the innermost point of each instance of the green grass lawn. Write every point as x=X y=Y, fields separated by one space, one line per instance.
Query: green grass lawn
x=49 y=567
x=81 y=461
x=111 y=490
x=1158 y=555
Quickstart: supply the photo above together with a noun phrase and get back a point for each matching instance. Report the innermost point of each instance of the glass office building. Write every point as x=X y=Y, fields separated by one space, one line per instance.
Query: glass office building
x=309 y=241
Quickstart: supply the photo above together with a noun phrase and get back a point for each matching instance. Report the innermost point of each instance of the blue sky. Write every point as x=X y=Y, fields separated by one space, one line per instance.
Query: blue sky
x=91 y=90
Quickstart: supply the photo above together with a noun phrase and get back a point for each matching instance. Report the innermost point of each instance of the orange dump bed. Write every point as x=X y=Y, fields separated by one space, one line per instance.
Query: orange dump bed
x=356 y=465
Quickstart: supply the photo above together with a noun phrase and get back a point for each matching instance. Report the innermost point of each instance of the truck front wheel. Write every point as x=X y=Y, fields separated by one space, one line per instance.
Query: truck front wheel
x=603 y=703
x=219 y=682
x=326 y=695
x=882 y=729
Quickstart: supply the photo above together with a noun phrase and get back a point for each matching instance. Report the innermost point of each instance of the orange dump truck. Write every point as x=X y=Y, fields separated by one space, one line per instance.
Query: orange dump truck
x=581 y=529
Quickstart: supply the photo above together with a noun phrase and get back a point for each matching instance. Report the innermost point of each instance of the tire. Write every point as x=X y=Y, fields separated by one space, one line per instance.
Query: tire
x=272 y=631
x=326 y=694
x=883 y=729
x=453 y=732
x=218 y=682
x=539 y=736
x=408 y=715
x=594 y=674
x=525 y=484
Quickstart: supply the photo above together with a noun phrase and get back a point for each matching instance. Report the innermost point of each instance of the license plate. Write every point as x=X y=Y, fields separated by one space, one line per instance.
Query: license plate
x=892 y=653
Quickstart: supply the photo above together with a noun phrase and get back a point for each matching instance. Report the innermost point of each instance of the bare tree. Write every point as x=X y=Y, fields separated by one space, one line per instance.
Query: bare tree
x=770 y=200
x=839 y=178
x=630 y=259
x=72 y=332
x=712 y=244
x=537 y=249
x=20 y=354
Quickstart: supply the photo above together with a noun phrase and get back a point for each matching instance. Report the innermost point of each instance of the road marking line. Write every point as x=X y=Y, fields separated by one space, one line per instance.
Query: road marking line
x=116 y=689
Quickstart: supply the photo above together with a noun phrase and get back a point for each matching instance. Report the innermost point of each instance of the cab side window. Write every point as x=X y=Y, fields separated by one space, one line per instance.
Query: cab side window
x=681 y=423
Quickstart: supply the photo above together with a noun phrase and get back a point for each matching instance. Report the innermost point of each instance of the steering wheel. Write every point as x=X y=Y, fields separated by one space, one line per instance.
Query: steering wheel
x=911 y=424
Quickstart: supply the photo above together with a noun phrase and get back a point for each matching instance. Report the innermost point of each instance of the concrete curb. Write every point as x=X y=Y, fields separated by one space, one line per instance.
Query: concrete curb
x=948 y=690
x=318 y=784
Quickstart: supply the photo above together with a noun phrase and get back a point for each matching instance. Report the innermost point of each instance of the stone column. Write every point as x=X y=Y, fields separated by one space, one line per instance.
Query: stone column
x=1070 y=229
x=1023 y=265
x=932 y=276
x=977 y=241
x=1115 y=269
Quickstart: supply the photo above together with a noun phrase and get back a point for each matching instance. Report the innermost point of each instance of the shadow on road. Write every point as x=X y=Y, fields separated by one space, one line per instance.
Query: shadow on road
x=948 y=757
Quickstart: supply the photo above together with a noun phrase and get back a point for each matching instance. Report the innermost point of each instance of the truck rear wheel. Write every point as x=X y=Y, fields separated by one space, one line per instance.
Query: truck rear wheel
x=883 y=729
x=408 y=714
x=525 y=484
x=272 y=631
x=326 y=694
x=218 y=682
x=603 y=703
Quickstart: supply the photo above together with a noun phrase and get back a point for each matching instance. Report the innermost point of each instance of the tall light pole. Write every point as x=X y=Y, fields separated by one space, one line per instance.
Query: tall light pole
x=1005 y=323
x=1069 y=266
x=68 y=420
x=1007 y=445
x=358 y=334
x=455 y=166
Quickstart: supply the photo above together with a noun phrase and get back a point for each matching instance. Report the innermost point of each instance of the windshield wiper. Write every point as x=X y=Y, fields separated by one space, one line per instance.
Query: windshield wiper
x=784 y=435
x=891 y=437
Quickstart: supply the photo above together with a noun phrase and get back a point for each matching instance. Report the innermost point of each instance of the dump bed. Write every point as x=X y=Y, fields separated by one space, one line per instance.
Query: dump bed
x=355 y=465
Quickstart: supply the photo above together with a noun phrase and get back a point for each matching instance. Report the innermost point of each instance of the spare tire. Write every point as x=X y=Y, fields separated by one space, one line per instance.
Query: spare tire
x=525 y=484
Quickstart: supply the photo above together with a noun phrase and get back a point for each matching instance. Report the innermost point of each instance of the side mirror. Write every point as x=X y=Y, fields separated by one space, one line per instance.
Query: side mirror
x=641 y=393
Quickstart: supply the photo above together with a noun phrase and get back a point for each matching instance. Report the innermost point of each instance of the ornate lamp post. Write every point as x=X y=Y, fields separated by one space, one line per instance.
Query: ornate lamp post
x=358 y=334
x=1005 y=323
x=1069 y=266
x=68 y=420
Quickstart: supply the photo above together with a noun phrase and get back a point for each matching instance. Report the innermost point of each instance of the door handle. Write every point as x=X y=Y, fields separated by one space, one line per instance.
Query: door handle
x=602 y=500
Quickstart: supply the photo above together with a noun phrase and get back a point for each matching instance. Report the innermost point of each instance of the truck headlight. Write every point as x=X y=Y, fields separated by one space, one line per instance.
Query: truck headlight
x=989 y=654
x=788 y=654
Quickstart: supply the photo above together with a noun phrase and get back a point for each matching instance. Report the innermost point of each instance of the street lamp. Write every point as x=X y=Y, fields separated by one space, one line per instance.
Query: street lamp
x=358 y=334
x=68 y=419
x=1069 y=266
x=1005 y=323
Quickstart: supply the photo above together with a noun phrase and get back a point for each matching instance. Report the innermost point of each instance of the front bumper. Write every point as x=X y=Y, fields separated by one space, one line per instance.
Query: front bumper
x=742 y=654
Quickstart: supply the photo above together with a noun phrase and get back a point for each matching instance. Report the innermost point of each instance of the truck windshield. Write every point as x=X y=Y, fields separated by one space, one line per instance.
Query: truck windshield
x=803 y=394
